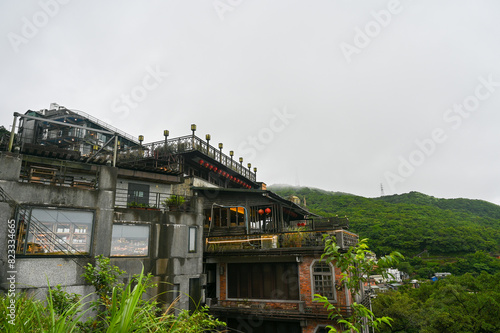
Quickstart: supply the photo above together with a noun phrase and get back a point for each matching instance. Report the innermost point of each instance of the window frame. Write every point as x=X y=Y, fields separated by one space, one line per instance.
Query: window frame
x=132 y=193
x=132 y=225
x=331 y=274
x=29 y=212
x=244 y=281
x=190 y=239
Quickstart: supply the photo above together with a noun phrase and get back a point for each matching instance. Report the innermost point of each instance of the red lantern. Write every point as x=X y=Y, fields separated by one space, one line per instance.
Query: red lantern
x=215 y=169
x=261 y=211
x=206 y=165
x=268 y=210
x=211 y=167
x=201 y=162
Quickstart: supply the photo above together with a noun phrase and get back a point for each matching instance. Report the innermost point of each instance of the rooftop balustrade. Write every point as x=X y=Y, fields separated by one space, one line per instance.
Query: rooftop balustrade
x=185 y=144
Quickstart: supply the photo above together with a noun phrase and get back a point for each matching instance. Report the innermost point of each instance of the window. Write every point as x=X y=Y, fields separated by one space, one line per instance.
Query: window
x=192 y=239
x=138 y=194
x=53 y=231
x=130 y=240
x=263 y=281
x=323 y=280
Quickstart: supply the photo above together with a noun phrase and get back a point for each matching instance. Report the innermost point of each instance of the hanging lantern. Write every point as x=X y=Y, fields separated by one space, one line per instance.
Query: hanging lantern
x=206 y=165
x=211 y=167
x=215 y=169
x=268 y=210
x=261 y=211
x=201 y=162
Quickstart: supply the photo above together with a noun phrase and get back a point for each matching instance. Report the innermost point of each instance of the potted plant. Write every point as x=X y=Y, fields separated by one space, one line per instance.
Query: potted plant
x=174 y=202
x=293 y=238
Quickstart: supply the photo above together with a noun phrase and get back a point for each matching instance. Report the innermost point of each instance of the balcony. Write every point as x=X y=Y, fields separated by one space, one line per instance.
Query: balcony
x=297 y=310
x=278 y=242
x=155 y=201
x=185 y=144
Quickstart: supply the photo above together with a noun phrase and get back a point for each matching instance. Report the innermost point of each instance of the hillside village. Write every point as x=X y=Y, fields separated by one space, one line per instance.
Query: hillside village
x=204 y=226
x=191 y=214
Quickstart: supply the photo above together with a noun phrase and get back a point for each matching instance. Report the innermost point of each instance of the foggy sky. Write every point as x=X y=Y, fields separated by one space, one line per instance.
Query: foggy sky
x=340 y=95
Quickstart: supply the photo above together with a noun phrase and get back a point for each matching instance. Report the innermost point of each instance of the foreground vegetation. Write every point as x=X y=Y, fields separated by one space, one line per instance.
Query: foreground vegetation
x=356 y=265
x=116 y=308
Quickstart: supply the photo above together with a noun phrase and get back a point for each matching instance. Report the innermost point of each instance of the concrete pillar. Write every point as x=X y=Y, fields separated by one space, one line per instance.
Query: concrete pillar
x=6 y=214
x=105 y=212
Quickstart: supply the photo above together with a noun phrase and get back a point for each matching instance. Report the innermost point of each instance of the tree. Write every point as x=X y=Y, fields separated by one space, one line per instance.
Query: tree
x=464 y=303
x=356 y=266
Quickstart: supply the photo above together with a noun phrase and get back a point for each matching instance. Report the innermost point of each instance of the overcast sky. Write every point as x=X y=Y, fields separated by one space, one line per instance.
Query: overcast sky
x=341 y=95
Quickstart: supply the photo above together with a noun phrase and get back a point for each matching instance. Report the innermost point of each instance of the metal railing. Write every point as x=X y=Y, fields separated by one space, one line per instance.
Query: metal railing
x=57 y=176
x=190 y=143
x=153 y=201
x=297 y=239
x=301 y=310
x=105 y=125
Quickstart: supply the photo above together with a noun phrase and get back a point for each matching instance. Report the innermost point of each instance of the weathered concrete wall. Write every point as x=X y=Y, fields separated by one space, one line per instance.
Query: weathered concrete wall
x=169 y=259
x=35 y=272
x=11 y=166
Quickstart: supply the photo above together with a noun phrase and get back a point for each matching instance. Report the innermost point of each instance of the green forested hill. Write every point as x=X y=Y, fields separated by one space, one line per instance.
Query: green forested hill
x=411 y=222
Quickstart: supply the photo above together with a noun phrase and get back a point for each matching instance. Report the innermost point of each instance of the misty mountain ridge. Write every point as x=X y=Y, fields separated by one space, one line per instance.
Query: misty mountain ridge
x=410 y=222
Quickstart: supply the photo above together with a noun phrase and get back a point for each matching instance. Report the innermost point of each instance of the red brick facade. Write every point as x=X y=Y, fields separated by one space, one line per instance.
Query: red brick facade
x=303 y=307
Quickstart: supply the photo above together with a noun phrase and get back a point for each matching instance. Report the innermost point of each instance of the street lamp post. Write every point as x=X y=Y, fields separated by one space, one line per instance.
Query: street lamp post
x=208 y=137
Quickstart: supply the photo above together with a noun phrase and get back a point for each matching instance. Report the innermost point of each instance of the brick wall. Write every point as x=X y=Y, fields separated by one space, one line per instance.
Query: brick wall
x=306 y=284
x=306 y=296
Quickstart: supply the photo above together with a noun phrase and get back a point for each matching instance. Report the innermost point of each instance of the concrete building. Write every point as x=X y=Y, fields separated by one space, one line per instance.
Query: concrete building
x=192 y=216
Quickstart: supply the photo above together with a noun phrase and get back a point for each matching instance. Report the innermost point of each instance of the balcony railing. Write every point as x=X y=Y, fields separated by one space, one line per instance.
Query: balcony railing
x=298 y=239
x=275 y=309
x=191 y=143
x=153 y=201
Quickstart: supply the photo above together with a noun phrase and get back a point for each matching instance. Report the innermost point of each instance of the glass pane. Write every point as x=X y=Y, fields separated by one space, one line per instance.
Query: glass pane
x=192 y=239
x=129 y=240
x=58 y=231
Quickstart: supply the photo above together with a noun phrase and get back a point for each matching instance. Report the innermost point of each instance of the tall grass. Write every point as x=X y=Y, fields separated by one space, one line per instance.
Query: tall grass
x=126 y=312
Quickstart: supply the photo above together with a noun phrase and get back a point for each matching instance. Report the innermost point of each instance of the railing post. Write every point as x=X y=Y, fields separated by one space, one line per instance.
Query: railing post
x=115 y=150
x=11 y=139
